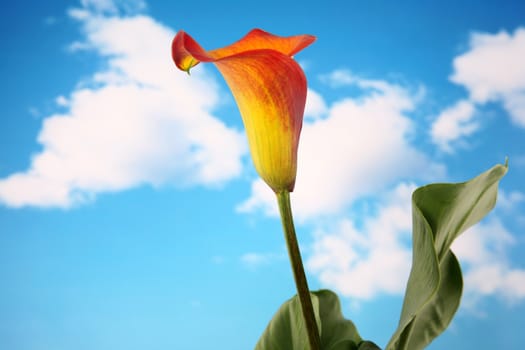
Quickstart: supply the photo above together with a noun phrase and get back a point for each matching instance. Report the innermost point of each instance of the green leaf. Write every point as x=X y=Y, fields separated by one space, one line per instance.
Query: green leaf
x=368 y=345
x=336 y=331
x=440 y=213
x=286 y=330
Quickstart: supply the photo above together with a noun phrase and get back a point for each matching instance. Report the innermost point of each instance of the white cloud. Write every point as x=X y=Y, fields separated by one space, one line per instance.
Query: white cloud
x=137 y=121
x=262 y=197
x=514 y=103
x=483 y=254
x=315 y=105
x=339 y=78
x=100 y=6
x=509 y=201
x=62 y=101
x=453 y=124
x=113 y=7
x=253 y=260
x=361 y=147
x=362 y=262
x=493 y=70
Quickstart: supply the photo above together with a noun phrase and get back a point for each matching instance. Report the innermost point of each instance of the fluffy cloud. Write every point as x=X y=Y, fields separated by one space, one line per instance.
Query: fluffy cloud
x=454 y=124
x=114 y=6
x=138 y=121
x=483 y=253
x=492 y=71
x=360 y=147
x=315 y=105
x=510 y=201
x=361 y=262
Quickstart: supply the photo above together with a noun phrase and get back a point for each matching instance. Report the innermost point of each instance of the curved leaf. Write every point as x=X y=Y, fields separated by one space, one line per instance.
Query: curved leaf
x=440 y=213
x=286 y=329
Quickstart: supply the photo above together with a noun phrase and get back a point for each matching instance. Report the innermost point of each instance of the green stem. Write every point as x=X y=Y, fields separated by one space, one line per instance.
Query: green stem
x=283 y=198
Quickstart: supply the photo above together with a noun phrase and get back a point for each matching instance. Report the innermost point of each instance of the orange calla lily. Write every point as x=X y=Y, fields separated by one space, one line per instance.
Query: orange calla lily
x=270 y=90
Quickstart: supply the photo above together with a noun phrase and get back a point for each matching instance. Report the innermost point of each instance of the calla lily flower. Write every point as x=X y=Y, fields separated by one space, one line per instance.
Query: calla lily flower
x=270 y=90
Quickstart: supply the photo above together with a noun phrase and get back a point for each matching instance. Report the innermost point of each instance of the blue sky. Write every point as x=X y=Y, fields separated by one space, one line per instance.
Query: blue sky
x=130 y=213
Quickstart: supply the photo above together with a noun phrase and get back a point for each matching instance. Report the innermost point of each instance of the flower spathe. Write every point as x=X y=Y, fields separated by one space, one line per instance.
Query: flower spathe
x=270 y=90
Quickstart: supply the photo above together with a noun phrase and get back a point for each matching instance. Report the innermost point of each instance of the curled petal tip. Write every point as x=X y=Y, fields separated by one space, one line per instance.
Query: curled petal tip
x=183 y=50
